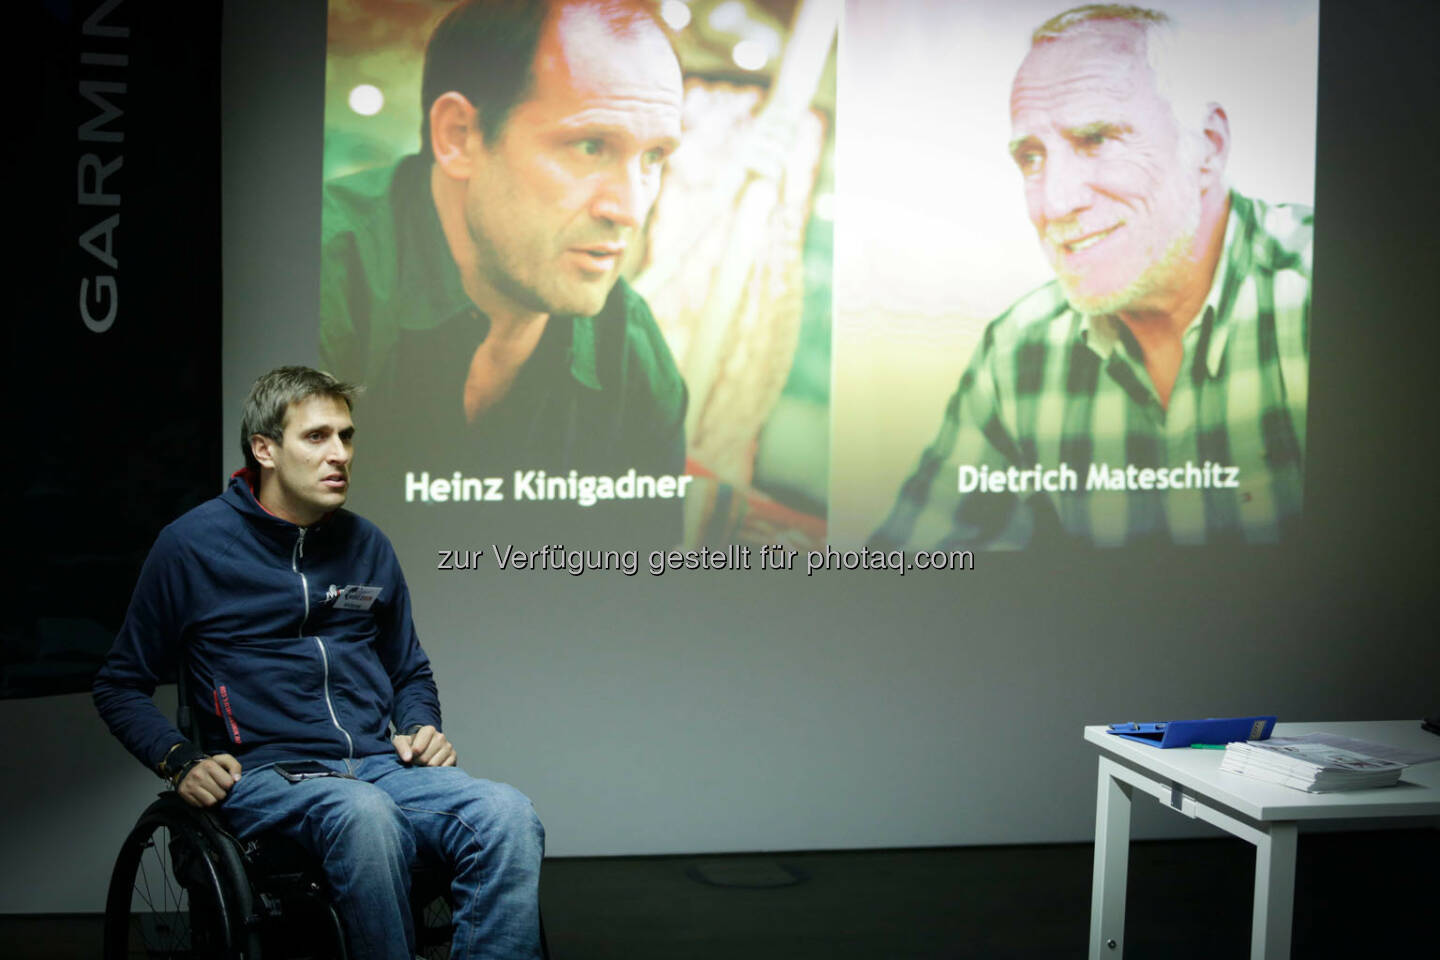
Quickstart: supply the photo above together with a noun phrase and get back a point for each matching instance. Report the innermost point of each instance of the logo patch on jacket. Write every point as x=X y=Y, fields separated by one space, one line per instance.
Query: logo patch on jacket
x=351 y=597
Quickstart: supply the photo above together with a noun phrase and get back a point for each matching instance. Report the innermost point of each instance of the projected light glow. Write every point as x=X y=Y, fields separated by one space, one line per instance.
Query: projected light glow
x=728 y=16
x=675 y=13
x=366 y=99
x=749 y=55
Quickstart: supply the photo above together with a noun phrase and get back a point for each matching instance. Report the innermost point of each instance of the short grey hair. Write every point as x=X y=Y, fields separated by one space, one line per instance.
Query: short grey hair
x=1091 y=12
x=1181 y=73
x=270 y=398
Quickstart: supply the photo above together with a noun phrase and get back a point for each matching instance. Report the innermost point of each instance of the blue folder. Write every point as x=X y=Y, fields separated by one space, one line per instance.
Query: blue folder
x=1182 y=733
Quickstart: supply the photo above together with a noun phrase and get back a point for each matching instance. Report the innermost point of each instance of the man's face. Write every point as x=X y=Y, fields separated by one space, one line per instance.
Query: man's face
x=312 y=465
x=1107 y=184
x=564 y=189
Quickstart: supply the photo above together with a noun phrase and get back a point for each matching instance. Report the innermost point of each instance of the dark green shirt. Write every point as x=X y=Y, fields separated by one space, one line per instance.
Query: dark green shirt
x=1059 y=434
x=600 y=395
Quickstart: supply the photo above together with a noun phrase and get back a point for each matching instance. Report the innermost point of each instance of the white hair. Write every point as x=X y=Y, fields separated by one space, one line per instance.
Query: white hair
x=1182 y=71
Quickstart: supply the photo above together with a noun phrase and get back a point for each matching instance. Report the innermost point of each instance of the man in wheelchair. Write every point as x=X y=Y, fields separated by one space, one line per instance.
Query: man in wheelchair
x=291 y=620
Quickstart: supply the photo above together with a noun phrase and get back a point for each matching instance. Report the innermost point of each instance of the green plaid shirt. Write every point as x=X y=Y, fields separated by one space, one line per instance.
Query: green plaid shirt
x=1064 y=400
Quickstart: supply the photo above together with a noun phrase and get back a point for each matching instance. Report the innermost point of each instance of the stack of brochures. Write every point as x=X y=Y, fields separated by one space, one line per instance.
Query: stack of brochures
x=1318 y=762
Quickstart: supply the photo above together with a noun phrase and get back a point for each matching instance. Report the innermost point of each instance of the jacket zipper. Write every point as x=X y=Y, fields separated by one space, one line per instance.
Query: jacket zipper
x=295 y=558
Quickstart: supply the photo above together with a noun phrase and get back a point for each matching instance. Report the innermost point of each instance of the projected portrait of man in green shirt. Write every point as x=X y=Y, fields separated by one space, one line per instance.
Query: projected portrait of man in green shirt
x=1155 y=390
x=475 y=288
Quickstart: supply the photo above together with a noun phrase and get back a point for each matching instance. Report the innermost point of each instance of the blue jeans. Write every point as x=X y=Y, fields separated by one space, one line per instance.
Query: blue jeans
x=367 y=832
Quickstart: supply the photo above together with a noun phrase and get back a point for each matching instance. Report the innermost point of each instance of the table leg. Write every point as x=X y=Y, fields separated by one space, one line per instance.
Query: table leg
x=1274 y=893
x=1112 y=864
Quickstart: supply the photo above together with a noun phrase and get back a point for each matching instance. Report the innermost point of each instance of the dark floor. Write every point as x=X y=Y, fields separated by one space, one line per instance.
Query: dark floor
x=1367 y=895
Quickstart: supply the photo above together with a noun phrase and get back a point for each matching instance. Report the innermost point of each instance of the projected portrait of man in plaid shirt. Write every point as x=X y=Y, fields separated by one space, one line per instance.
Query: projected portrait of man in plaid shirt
x=1155 y=391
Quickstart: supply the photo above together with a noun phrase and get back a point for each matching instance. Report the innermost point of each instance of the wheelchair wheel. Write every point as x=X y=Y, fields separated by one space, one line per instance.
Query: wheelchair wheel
x=430 y=907
x=178 y=890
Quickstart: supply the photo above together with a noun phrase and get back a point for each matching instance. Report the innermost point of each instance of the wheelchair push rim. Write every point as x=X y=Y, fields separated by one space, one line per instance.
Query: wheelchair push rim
x=174 y=894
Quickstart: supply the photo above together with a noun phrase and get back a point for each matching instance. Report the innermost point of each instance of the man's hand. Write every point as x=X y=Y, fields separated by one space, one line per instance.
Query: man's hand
x=207 y=783
x=427 y=748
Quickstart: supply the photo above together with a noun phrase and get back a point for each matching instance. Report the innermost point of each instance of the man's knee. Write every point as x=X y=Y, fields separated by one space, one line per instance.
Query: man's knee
x=515 y=815
x=506 y=818
x=362 y=822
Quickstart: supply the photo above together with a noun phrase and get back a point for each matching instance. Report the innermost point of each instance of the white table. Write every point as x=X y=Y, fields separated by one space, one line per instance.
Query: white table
x=1267 y=815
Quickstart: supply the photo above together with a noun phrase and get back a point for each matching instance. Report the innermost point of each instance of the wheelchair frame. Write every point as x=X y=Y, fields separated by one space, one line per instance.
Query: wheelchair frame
x=185 y=888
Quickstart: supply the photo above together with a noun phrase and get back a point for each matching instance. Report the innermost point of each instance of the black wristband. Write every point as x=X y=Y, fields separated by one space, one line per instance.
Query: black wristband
x=178 y=761
x=411 y=730
x=185 y=768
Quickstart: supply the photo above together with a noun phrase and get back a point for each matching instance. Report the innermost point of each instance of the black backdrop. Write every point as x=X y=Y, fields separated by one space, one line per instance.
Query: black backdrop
x=112 y=389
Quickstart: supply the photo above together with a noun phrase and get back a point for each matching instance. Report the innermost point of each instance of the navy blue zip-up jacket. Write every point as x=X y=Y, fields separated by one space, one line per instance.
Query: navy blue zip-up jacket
x=298 y=640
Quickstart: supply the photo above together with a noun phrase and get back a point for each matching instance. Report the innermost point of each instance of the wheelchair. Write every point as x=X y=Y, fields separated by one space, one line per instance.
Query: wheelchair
x=185 y=888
